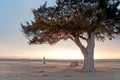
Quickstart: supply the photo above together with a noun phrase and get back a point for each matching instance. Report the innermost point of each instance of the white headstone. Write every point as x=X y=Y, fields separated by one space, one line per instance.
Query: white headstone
x=44 y=60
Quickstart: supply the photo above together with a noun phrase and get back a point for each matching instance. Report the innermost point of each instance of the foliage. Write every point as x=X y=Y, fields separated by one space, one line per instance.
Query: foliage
x=69 y=19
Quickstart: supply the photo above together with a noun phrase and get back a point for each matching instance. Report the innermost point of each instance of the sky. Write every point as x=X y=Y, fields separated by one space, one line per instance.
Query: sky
x=13 y=44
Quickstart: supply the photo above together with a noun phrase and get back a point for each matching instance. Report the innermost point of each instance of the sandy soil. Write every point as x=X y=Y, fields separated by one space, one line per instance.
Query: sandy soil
x=56 y=70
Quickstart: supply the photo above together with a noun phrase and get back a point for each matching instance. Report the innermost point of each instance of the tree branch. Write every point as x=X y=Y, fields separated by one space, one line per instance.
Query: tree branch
x=83 y=38
x=79 y=44
x=109 y=20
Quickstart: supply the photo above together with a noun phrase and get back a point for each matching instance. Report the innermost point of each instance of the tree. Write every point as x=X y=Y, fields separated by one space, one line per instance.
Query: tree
x=76 y=20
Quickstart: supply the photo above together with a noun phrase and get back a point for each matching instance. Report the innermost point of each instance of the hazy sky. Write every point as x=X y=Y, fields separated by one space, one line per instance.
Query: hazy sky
x=14 y=44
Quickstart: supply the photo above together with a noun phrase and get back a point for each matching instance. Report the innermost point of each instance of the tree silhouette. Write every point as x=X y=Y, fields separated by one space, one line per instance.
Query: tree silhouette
x=76 y=20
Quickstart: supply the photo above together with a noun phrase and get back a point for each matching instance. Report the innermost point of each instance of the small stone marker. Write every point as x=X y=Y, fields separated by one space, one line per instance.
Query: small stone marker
x=44 y=60
x=74 y=64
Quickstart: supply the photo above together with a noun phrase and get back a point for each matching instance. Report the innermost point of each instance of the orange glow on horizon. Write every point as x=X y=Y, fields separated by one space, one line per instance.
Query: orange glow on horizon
x=64 y=54
x=63 y=50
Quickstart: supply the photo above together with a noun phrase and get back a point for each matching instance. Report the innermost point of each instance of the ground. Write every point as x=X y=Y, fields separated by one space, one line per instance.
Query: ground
x=57 y=70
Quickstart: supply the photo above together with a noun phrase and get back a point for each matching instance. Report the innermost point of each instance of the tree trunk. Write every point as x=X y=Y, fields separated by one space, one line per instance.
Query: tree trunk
x=89 y=55
x=88 y=65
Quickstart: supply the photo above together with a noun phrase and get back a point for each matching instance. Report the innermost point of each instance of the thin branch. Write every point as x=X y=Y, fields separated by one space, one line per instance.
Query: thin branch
x=83 y=38
x=80 y=45
x=72 y=38
x=76 y=39
x=110 y=20
x=78 y=42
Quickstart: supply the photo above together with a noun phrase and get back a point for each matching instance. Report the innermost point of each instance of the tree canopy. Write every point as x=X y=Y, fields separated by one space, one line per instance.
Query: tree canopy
x=70 y=18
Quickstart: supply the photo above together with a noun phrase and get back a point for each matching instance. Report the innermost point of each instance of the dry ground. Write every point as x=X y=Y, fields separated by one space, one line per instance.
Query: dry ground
x=33 y=70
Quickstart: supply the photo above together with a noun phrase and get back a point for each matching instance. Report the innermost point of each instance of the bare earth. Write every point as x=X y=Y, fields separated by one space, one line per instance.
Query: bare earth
x=57 y=70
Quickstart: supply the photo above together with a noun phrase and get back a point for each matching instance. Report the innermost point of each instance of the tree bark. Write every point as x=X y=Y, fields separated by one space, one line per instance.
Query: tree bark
x=89 y=55
x=88 y=65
